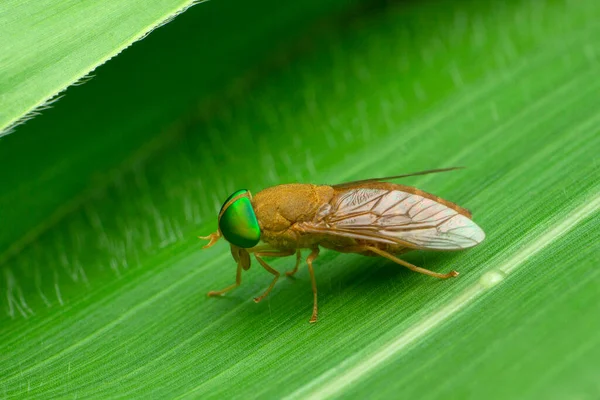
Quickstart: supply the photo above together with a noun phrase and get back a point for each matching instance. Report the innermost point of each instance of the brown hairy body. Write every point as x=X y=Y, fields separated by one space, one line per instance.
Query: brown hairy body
x=279 y=209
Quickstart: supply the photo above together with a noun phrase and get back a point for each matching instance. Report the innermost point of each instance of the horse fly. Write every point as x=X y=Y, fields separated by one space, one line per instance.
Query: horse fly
x=370 y=217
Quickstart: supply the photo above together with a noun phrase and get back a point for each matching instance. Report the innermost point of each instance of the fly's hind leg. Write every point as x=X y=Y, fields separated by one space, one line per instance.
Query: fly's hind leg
x=269 y=269
x=406 y=264
x=298 y=260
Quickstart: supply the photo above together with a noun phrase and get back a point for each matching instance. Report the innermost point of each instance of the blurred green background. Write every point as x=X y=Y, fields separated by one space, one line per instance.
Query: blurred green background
x=103 y=281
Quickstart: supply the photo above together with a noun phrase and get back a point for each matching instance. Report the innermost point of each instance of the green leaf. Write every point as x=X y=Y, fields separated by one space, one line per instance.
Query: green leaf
x=109 y=299
x=49 y=45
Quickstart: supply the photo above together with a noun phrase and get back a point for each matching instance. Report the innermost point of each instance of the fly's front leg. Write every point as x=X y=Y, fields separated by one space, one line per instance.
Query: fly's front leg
x=213 y=238
x=258 y=255
x=238 y=281
x=298 y=260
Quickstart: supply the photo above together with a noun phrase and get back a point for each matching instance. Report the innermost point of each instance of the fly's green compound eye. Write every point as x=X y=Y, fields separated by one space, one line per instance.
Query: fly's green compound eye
x=237 y=221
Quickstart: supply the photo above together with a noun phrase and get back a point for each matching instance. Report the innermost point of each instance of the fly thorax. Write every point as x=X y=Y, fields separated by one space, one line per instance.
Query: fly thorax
x=279 y=207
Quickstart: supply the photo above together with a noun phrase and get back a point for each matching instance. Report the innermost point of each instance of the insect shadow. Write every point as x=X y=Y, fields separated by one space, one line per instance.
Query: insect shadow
x=341 y=274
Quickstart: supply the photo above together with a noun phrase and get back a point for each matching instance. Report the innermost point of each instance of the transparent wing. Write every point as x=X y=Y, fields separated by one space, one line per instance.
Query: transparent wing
x=396 y=217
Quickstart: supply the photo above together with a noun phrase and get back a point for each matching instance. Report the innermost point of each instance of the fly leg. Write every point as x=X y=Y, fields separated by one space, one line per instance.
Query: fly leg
x=238 y=281
x=213 y=237
x=266 y=266
x=407 y=264
x=312 y=256
x=298 y=259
